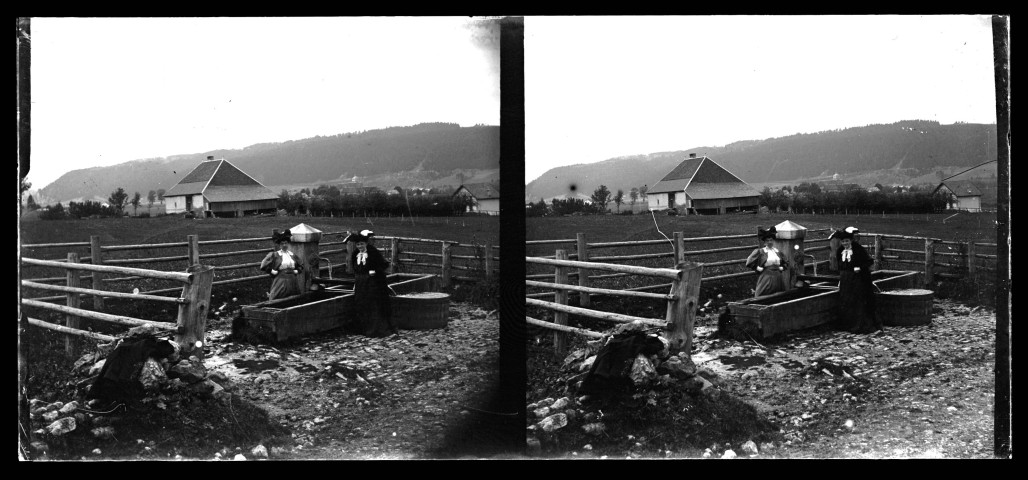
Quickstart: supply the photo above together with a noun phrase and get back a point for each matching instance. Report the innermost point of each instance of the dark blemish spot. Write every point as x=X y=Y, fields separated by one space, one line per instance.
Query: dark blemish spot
x=572 y=187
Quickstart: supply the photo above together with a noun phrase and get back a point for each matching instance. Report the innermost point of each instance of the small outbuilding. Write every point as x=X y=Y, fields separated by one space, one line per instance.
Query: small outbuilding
x=216 y=188
x=485 y=197
x=700 y=185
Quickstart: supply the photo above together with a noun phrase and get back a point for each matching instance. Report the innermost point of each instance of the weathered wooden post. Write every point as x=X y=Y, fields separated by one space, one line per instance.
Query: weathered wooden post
x=560 y=277
x=445 y=278
x=192 y=316
x=488 y=262
x=98 y=282
x=969 y=251
x=583 y=273
x=789 y=241
x=349 y=255
x=679 y=248
x=878 y=252
x=394 y=254
x=72 y=321
x=193 y=249
x=681 y=312
x=833 y=248
x=929 y=261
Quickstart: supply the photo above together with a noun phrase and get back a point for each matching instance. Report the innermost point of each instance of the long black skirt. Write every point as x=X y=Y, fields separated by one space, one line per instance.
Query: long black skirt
x=372 y=312
x=857 y=303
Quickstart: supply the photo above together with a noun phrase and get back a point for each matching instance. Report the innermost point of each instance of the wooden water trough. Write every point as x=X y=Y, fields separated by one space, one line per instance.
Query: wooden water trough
x=326 y=308
x=801 y=308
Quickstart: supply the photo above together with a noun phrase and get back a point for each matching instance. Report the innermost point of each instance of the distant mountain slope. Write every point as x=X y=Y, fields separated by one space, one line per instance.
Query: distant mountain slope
x=431 y=151
x=908 y=148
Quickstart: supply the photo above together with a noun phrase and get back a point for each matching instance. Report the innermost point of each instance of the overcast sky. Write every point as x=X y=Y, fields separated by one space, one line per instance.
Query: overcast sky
x=107 y=91
x=602 y=87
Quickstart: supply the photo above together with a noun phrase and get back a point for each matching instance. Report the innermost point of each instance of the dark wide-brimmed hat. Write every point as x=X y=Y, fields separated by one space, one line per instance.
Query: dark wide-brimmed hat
x=765 y=234
x=280 y=236
x=355 y=237
x=848 y=232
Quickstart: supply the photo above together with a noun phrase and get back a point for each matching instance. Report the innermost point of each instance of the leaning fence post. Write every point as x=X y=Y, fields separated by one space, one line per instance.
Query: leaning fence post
x=878 y=252
x=72 y=321
x=929 y=261
x=583 y=273
x=679 y=248
x=349 y=255
x=560 y=277
x=488 y=262
x=194 y=249
x=192 y=316
x=394 y=254
x=98 y=282
x=446 y=264
x=681 y=311
x=971 y=270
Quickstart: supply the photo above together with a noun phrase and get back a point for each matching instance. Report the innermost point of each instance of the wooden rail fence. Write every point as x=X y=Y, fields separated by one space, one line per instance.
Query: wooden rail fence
x=193 y=302
x=677 y=326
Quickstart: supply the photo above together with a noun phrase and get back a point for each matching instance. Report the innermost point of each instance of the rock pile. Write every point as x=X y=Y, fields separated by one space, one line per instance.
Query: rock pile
x=126 y=373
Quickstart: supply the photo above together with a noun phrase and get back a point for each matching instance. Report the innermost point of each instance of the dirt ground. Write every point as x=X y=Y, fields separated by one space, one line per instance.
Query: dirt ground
x=902 y=392
x=413 y=395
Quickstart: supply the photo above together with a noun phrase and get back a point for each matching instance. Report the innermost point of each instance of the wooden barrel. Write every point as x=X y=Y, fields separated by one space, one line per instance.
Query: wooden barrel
x=421 y=311
x=907 y=307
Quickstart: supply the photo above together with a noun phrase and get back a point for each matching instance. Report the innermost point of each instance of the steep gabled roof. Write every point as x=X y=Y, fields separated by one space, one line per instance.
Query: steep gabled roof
x=702 y=178
x=961 y=189
x=220 y=181
x=480 y=191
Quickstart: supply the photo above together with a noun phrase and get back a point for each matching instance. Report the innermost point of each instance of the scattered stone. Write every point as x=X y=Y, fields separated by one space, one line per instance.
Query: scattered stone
x=259 y=451
x=40 y=447
x=188 y=371
x=750 y=448
x=642 y=371
x=729 y=454
x=575 y=357
x=707 y=453
x=51 y=416
x=223 y=380
x=848 y=424
x=542 y=412
x=594 y=428
x=152 y=375
x=69 y=408
x=679 y=367
x=239 y=457
x=96 y=451
x=559 y=404
x=587 y=364
x=553 y=422
x=767 y=446
x=587 y=447
x=53 y=407
x=36 y=403
x=62 y=426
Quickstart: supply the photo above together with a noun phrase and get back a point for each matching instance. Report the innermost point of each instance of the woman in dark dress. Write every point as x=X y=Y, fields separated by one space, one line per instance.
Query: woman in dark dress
x=372 y=313
x=283 y=265
x=769 y=263
x=856 y=292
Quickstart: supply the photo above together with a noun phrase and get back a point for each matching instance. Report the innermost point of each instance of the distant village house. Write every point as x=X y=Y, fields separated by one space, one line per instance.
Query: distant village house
x=963 y=195
x=700 y=185
x=216 y=188
x=485 y=197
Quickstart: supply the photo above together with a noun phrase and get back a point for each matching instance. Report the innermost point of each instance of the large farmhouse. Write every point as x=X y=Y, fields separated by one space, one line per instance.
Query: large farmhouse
x=699 y=185
x=216 y=188
x=485 y=197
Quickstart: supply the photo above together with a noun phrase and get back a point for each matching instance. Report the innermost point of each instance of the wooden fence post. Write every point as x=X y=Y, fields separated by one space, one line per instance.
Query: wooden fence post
x=560 y=277
x=969 y=250
x=98 y=282
x=394 y=254
x=488 y=262
x=681 y=312
x=192 y=316
x=929 y=261
x=878 y=252
x=583 y=274
x=679 y=248
x=446 y=264
x=349 y=256
x=194 y=249
x=72 y=321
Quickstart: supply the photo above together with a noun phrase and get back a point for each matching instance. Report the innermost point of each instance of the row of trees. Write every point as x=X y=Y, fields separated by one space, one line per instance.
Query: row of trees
x=115 y=207
x=329 y=201
x=810 y=198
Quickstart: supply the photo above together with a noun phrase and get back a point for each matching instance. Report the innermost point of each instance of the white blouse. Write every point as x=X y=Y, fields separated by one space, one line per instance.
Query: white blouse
x=772 y=257
x=287 y=261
